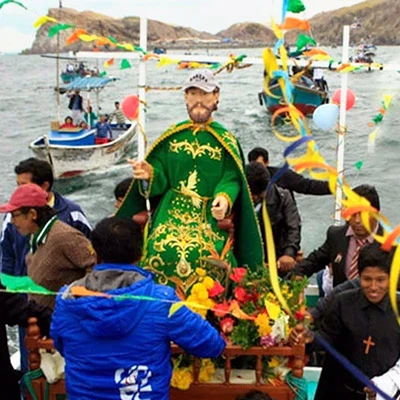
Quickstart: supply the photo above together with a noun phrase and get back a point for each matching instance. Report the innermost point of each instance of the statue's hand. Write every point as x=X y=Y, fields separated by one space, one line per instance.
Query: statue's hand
x=219 y=207
x=141 y=169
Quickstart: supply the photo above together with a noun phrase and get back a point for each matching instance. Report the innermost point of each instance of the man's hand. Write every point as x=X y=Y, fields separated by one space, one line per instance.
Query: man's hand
x=141 y=169
x=286 y=263
x=219 y=207
x=300 y=335
x=371 y=395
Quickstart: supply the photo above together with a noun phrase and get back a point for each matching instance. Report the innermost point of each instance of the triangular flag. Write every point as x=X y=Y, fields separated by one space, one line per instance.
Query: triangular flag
x=59 y=27
x=359 y=165
x=22 y=284
x=125 y=64
x=296 y=6
x=43 y=20
x=294 y=23
x=75 y=36
x=303 y=40
x=108 y=63
x=12 y=1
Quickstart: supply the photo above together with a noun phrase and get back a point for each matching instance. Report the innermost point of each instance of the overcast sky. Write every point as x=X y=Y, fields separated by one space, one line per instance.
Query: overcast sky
x=17 y=32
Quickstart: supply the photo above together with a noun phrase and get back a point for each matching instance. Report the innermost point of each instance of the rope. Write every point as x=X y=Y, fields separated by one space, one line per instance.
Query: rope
x=298 y=385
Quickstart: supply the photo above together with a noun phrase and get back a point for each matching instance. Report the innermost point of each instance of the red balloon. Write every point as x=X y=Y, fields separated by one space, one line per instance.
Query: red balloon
x=130 y=106
x=350 y=98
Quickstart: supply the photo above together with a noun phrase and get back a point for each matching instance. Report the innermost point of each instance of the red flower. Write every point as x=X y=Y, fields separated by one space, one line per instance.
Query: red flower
x=227 y=325
x=238 y=274
x=220 y=310
x=241 y=294
x=299 y=315
x=216 y=289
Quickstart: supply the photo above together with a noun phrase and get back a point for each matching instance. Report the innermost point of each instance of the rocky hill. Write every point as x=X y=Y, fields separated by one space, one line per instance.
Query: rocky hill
x=378 y=18
x=124 y=30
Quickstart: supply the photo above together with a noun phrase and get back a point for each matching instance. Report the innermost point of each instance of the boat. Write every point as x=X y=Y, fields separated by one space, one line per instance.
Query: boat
x=76 y=71
x=305 y=98
x=73 y=151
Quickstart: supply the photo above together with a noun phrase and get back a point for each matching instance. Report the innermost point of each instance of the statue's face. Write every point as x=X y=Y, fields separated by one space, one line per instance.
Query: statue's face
x=200 y=104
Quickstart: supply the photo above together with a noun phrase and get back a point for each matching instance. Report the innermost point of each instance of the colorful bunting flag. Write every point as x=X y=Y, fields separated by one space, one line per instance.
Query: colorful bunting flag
x=108 y=63
x=125 y=64
x=294 y=23
x=43 y=20
x=75 y=36
x=18 y=3
x=303 y=41
x=58 y=28
x=296 y=6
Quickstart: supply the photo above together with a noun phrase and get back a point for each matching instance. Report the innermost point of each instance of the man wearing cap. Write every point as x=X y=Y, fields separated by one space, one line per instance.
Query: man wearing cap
x=196 y=171
x=58 y=254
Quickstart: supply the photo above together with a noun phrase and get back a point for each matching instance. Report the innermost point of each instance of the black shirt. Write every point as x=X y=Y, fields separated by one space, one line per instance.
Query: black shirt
x=350 y=322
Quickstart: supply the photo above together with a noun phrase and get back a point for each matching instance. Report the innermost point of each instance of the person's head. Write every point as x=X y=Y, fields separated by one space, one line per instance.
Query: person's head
x=116 y=105
x=117 y=241
x=120 y=191
x=90 y=109
x=77 y=91
x=83 y=125
x=255 y=395
x=102 y=118
x=258 y=178
x=368 y=192
x=260 y=155
x=374 y=269
x=36 y=171
x=28 y=208
x=201 y=95
x=69 y=120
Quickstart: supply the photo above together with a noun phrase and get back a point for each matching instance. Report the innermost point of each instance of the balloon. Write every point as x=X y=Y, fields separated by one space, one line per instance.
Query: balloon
x=325 y=116
x=350 y=98
x=130 y=107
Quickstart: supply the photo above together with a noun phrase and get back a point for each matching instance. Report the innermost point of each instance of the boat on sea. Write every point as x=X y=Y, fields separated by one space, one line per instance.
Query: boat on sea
x=73 y=151
x=305 y=98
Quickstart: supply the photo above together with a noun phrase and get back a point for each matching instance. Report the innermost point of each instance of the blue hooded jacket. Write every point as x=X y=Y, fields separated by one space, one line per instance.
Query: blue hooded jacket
x=15 y=246
x=120 y=349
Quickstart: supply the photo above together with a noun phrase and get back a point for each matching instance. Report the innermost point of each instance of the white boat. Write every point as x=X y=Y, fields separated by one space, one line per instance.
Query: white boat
x=69 y=156
x=73 y=151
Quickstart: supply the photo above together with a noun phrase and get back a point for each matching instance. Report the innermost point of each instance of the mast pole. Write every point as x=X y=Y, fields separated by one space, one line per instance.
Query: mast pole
x=342 y=126
x=142 y=90
x=58 y=71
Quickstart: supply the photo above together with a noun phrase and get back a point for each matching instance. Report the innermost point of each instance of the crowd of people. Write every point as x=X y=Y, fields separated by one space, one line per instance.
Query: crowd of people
x=194 y=178
x=86 y=118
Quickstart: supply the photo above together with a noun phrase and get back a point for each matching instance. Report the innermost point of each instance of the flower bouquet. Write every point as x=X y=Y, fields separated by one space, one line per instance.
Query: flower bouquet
x=248 y=314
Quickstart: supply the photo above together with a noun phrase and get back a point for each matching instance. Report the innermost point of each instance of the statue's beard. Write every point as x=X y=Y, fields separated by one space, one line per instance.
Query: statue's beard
x=199 y=113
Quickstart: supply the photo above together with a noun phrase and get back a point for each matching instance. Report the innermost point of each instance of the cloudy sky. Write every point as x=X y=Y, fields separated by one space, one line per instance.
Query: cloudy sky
x=17 y=32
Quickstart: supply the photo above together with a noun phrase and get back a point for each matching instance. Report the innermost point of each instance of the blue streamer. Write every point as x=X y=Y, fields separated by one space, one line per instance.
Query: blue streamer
x=344 y=362
x=285 y=7
x=296 y=144
x=289 y=85
x=278 y=44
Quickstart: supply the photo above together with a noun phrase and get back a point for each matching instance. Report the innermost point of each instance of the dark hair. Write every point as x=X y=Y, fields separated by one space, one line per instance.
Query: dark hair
x=122 y=187
x=258 y=177
x=255 y=395
x=372 y=255
x=117 y=102
x=257 y=152
x=44 y=214
x=117 y=240
x=68 y=117
x=41 y=171
x=370 y=193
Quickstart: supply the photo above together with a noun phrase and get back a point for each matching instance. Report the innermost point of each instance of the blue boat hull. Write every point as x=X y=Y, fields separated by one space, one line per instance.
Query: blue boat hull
x=304 y=98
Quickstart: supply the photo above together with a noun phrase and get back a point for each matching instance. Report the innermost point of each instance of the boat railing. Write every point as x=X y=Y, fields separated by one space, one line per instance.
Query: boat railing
x=227 y=389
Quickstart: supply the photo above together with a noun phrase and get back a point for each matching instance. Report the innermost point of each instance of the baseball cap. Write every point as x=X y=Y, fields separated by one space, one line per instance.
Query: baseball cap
x=28 y=195
x=202 y=79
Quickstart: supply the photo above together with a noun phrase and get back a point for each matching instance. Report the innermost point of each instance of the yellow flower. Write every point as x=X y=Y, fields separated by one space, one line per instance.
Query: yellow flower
x=262 y=321
x=182 y=378
x=201 y=272
x=208 y=282
x=207 y=371
x=274 y=362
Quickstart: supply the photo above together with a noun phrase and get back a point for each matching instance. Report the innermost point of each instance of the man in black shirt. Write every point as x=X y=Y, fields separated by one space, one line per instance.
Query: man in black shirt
x=283 y=214
x=362 y=326
x=290 y=180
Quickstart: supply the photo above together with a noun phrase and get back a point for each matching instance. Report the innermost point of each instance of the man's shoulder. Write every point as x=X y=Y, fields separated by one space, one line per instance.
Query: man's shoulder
x=337 y=230
x=348 y=296
x=61 y=203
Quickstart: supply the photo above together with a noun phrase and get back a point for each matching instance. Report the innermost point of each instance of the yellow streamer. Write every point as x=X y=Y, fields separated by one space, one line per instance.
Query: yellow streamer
x=88 y=38
x=273 y=270
x=43 y=20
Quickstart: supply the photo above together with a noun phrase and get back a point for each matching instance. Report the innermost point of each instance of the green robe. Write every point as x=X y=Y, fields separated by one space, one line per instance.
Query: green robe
x=192 y=164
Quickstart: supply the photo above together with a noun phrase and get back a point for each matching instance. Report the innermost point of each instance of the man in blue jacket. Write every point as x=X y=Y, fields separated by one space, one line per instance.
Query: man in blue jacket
x=120 y=348
x=14 y=246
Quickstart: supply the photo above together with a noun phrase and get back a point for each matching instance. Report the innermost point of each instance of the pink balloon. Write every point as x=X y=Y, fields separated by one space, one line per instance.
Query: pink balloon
x=350 y=98
x=130 y=106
